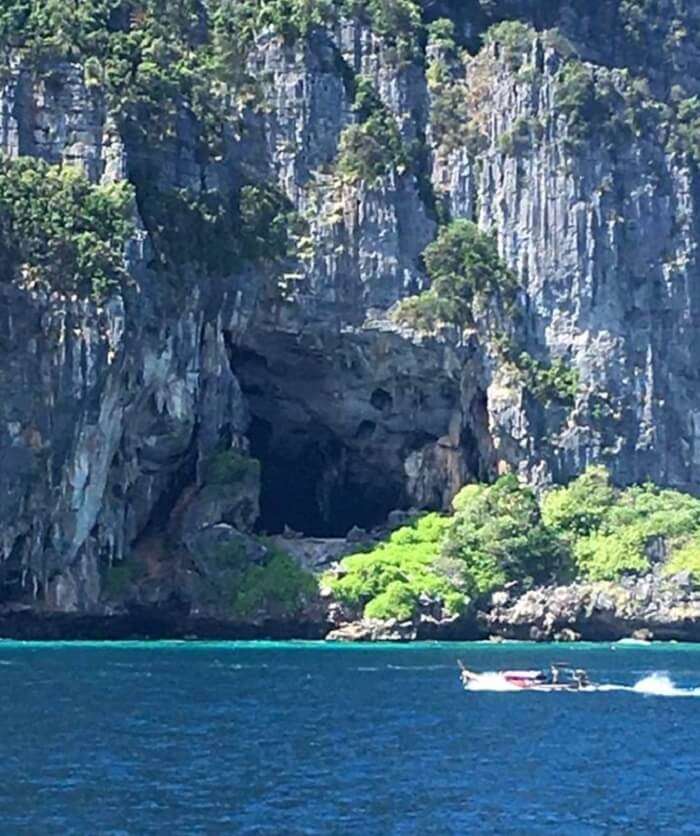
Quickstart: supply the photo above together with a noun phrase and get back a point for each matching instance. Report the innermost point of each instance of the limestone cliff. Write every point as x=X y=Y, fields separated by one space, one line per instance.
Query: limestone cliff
x=570 y=137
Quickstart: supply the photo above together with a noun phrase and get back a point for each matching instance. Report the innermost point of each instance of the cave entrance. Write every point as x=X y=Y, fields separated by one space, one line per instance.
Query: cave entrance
x=311 y=482
x=325 y=468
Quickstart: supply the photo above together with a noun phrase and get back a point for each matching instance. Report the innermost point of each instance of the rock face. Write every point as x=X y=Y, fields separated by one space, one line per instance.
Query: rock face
x=650 y=607
x=111 y=414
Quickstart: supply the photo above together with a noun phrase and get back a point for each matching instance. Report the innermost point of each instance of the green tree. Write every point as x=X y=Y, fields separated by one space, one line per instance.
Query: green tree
x=464 y=266
x=686 y=559
x=688 y=129
x=606 y=557
x=513 y=38
x=580 y=508
x=498 y=534
x=388 y=580
x=58 y=229
x=371 y=148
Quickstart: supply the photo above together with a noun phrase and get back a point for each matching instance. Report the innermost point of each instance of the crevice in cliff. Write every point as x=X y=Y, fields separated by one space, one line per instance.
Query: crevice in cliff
x=166 y=511
x=11 y=572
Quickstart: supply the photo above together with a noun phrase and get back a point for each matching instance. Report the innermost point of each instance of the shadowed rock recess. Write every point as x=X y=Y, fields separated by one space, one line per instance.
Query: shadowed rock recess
x=172 y=421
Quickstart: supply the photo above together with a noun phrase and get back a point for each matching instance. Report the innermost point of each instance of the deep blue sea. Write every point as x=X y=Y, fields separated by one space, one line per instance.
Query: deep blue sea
x=287 y=738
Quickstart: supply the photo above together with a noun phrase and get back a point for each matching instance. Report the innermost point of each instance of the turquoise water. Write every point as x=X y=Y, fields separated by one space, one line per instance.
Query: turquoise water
x=288 y=738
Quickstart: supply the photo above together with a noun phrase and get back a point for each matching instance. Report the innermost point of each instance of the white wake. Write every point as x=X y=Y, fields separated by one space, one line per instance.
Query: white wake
x=661 y=685
x=492 y=681
x=654 y=685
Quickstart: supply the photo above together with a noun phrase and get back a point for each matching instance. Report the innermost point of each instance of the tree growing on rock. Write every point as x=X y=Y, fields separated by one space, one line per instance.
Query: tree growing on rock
x=464 y=269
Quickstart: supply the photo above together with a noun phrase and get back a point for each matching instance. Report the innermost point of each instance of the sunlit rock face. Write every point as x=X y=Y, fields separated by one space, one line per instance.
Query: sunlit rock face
x=111 y=413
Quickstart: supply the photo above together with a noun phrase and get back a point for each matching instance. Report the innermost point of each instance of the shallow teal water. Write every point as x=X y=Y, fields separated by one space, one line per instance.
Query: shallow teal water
x=275 y=738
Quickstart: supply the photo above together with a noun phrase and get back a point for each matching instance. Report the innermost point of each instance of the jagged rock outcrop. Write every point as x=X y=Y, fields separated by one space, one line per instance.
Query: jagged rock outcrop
x=649 y=607
x=110 y=412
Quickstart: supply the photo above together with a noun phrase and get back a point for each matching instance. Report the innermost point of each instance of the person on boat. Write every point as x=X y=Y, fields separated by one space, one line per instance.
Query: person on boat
x=581 y=678
x=554 y=671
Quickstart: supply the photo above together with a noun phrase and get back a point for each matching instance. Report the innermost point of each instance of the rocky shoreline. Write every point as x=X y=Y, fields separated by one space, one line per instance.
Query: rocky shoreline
x=652 y=607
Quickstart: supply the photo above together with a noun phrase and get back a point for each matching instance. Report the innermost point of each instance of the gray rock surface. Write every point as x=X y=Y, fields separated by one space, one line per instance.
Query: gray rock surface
x=644 y=608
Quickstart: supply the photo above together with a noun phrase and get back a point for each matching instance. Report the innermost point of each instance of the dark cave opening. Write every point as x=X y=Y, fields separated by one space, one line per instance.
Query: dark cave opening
x=311 y=483
x=335 y=439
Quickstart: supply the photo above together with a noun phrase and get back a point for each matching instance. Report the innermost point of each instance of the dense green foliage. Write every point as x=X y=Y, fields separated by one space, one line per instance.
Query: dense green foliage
x=451 y=107
x=580 y=508
x=521 y=137
x=609 y=107
x=688 y=131
x=606 y=557
x=372 y=147
x=575 y=98
x=513 y=38
x=278 y=588
x=502 y=533
x=397 y=21
x=495 y=535
x=498 y=534
x=611 y=532
x=464 y=266
x=217 y=232
x=150 y=56
x=273 y=586
x=388 y=581
x=59 y=231
x=686 y=559
x=548 y=382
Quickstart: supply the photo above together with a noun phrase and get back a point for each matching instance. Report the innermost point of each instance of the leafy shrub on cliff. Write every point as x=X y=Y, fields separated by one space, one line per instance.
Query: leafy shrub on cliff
x=52 y=30
x=498 y=534
x=397 y=601
x=513 y=38
x=373 y=147
x=580 y=508
x=688 y=129
x=61 y=232
x=441 y=35
x=398 y=22
x=388 y=580
x=521 y=137
x=425 y=312
x=230 y=467
x=279 y=588
x=254 y=581
x=294 y=18
x=218 y=232
x=452 y=111
x=614 y=532
x=607 y=557
x=464 y=266
x=686 y=559
x=655 y=513
x=637 y=17
x=575 y=98
x=548 y=382
x=269 y=225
